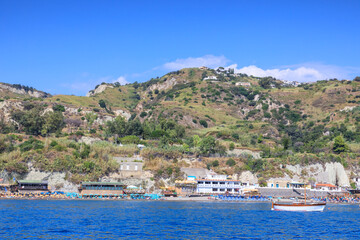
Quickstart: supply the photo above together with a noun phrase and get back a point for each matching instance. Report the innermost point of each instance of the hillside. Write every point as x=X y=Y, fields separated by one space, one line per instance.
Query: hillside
x=235 y=122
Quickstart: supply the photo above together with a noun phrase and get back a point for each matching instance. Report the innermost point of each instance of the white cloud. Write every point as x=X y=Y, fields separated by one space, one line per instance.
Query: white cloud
x=210 y=61
x=307 y=72
x=121 y=80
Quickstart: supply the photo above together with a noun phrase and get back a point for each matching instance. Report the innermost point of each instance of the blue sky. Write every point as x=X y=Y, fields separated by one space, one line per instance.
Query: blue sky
x=67 y=47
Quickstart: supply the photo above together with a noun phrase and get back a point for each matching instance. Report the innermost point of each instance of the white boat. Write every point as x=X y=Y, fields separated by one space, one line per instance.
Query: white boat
x=299 y=206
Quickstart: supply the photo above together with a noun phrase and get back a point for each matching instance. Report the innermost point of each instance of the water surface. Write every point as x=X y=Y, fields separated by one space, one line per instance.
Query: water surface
x=79 y=219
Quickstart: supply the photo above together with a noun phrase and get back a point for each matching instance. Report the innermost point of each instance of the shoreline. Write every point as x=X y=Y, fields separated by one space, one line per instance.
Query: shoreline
x=166 y=199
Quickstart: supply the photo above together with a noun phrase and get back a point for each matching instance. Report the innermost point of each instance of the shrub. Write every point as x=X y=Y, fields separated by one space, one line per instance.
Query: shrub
x=231 y=162
x=215 y=163
x=131 y=139
x=232 y=146
x=143 y=114
x=203 y=123
x=59 y=108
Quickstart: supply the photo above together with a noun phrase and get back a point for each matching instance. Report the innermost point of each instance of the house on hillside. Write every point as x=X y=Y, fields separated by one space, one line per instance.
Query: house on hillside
x=244 y=84
x=210 y=78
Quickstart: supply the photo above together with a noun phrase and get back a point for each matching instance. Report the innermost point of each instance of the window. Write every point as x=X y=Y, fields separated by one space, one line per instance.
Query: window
x=214 y=189
x=222 y=189
x=127 y=167
x=121 y=167
x=207 y=183
x=200 y=182
x=229 y=190
x=222 y=182
x=215 y=182
x=136 y=167
x=277 y=185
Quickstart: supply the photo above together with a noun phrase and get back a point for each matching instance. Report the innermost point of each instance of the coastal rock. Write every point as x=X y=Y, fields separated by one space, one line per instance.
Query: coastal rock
x=333 y=173
x=248 y=177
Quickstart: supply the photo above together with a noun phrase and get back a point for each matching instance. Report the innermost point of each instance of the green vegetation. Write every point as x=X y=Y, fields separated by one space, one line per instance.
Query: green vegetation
x=181 y=115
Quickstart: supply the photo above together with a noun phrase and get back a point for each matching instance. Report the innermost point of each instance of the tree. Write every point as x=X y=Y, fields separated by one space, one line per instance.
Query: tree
x=207 y=145
x=339 y=145
x=30 y=120
x=54 y=122
x=102 y=103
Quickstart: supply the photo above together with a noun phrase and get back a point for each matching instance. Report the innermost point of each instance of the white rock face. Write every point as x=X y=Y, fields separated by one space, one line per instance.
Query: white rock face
x=337 y=174
x=347 y=109
x=99 y=89
x=164 y=86
x=333 y=173
x=6 y=107
x=122 y=113
x=34 y=93
x=247 y=176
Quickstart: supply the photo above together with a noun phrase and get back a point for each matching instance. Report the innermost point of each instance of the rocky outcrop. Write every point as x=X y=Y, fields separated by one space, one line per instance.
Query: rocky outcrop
x=248 y=177
x=98 y=90
x=21 y=91
x=7 y=107
x=122 y=113
x=333 y=173
x=164 y=85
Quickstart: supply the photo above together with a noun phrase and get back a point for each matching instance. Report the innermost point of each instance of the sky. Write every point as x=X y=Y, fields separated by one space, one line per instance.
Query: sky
x=68 y=47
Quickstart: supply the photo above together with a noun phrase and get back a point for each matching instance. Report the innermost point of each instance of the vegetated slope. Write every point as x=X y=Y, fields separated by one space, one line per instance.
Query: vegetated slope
x=310 y=123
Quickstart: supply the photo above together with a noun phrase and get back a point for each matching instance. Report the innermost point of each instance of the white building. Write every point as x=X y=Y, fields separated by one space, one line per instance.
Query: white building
x=356 y=180
x=210 y=78
x=216 y=184
x=246 y=84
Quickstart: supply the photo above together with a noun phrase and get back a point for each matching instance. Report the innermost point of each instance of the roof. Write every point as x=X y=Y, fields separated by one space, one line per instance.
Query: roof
x=102 y=183
x=325 y=185
x=218 y=180
x=31 y=181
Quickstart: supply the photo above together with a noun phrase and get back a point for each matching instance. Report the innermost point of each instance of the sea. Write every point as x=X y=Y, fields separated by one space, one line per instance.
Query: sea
x=107 y=219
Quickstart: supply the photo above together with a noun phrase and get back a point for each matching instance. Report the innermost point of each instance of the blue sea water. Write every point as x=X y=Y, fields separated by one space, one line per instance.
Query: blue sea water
x=80 y=219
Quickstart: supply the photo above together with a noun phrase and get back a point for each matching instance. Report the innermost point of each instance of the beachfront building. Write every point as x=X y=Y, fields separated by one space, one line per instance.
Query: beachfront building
x=91 y=189
x=325 y=187
x=218 y=184
x=31 y=186
x=282 y=183
x=186 y=187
